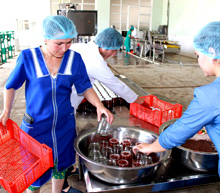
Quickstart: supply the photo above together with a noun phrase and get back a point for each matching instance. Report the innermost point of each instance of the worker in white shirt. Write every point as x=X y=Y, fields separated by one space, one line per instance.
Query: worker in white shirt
x=94 y=55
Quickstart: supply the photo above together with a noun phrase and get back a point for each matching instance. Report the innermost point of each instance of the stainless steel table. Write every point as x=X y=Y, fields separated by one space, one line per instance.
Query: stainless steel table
x=168 y=177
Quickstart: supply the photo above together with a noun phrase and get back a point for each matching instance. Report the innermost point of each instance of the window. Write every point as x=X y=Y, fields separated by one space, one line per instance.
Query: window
x=80 y=5
x=23 y=25
x=125 y=13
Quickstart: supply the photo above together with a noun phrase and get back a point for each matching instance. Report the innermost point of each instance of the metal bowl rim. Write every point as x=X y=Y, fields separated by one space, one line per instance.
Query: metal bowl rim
x=92 y=130
x=168 y=123
x=196 y=152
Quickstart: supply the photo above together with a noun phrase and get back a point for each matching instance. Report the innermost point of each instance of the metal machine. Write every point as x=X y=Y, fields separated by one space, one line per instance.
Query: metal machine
x=160 y=45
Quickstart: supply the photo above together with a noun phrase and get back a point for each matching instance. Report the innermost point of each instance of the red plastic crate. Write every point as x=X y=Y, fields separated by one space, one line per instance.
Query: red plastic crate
x=159 y=112
x=22 y=159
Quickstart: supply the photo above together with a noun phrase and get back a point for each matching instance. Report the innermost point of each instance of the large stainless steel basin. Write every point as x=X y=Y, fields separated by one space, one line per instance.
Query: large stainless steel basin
x=114 y=174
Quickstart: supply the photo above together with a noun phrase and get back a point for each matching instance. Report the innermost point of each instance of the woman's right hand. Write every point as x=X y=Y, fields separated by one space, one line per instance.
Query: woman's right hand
x=4 y=117
x=9 y=95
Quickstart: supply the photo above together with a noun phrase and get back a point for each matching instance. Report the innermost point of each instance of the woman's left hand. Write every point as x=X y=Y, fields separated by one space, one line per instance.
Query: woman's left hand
x=92 y=97
x=102 y=110
x=149 y=147
x=143 y=147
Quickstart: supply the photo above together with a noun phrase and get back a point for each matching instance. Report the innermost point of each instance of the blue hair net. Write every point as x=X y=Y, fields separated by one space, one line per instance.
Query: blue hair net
x=109 y=39
x=208 y=38
x=132 y=27
x=58 y=27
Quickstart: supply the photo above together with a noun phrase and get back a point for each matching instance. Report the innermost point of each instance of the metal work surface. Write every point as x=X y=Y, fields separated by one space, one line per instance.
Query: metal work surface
x=138 y=90
x=171 y=175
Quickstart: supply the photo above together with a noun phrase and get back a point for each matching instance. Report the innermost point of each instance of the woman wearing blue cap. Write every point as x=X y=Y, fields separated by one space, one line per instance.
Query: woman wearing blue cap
x=49 y=72
x=128 y=39
x=204 y=109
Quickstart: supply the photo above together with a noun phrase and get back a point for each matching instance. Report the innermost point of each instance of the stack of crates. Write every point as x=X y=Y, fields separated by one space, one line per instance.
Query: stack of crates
x=7 y=46
x=0 y=51
x=10 y=44
x=3 y=54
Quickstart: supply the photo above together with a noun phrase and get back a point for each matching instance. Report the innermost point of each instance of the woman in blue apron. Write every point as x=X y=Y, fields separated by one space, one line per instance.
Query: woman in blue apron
x=49 y=72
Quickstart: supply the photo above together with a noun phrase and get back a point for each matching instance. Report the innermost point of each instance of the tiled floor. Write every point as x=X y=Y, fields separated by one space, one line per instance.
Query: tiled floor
x=19 y=107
